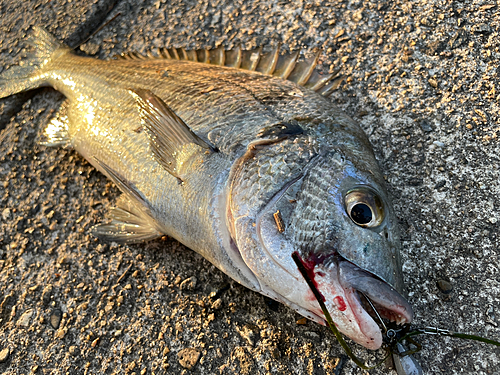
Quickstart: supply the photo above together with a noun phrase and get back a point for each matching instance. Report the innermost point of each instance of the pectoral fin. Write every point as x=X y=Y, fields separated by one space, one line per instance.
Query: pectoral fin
x=168 y=134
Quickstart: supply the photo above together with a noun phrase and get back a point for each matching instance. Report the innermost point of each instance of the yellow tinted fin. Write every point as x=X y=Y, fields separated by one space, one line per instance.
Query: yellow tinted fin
x=56 y=132
x=250 y=59
x=181 y=52
x=217 y=56
x=285 y=66
x=317 y=81
x=173 y=53
x=333 y=85
x=203 y=56
x=233 y=57
x=191 y=55
x=268 y=61
x=304 y=69
x=129 y=224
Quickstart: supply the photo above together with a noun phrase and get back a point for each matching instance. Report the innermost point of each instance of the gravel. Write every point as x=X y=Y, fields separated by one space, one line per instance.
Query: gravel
x=421 y=79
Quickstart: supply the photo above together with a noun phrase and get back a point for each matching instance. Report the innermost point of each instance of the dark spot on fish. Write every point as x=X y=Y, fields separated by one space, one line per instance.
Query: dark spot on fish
x=365 y=249
x=280 y=131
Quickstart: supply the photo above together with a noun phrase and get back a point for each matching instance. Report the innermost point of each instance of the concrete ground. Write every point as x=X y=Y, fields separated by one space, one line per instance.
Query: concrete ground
x=422 y=78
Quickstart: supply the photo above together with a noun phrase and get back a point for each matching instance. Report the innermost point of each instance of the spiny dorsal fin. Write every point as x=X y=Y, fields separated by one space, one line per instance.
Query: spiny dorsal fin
x=168 y=134
x=285 y=66
x=304 y=69
x=250 y=59
x=268 y=61
x=233 y=57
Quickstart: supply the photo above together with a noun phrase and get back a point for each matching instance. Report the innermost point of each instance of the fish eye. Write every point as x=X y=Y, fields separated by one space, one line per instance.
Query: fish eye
x=364 y=207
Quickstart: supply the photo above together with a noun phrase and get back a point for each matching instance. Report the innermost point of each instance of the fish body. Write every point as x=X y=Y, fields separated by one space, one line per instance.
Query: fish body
x=244 y=167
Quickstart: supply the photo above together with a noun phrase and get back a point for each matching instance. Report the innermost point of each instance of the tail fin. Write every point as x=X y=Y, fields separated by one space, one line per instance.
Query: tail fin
x=27 y=74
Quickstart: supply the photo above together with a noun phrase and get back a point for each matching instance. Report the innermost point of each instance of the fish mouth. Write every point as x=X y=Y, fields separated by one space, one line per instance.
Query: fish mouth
x=348 y=288
x=360 y=285
x=388 y=302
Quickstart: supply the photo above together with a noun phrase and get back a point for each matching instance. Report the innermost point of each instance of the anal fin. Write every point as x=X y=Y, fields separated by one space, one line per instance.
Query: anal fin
x=56 y=132
x=170 y=139
x=129 y=224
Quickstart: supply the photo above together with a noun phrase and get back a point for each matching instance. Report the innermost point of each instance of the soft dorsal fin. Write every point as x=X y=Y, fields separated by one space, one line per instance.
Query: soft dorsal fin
x=287 y=66
x=168 y=135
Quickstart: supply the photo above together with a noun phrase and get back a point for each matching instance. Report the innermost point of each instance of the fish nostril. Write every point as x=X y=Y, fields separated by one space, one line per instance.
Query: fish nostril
x=384 y=233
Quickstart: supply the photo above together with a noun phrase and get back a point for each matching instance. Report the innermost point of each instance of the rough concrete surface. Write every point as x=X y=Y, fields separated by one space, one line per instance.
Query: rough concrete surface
x=422 y=78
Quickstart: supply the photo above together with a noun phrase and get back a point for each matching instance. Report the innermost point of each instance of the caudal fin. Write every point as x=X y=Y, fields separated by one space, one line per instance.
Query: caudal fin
x=29 y=73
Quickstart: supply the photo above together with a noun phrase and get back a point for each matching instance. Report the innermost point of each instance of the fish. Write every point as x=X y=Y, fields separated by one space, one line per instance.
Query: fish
x=240 y=156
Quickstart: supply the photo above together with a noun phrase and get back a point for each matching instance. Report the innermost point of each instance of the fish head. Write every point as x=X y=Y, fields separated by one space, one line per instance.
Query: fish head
x=336 y=214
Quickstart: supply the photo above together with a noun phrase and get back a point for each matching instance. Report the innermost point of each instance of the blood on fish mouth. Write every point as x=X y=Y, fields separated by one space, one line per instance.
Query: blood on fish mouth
x=359 y=285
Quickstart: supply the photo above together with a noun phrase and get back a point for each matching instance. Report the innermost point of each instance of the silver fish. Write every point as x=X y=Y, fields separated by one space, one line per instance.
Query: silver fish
x=240 y=156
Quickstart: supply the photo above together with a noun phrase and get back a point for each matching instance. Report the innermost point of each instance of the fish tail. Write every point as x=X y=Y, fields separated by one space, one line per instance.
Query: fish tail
x=30 y=72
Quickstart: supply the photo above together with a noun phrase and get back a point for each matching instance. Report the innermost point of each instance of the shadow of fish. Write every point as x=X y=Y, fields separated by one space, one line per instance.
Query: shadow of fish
x=239 y=156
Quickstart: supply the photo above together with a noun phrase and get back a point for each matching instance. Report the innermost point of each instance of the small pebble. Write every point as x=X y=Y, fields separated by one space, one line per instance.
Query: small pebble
x=302 y=321
x=55 y=318
x=217 y=304
x=6 y=214
x=247 y=333
x=24 y=320
x=60 y=333
x=444 y=286
x=189 y=284
x=312 y=335
x=188 y=357
x=46 y=294
x=73 y=350
x=426 y=126
x=4 y=355
x=438 y=143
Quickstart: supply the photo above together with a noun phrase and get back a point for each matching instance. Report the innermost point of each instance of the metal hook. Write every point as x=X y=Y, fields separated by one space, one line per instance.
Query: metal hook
x=379 y=318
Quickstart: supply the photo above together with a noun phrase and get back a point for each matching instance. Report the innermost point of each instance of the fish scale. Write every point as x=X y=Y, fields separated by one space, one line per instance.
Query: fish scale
x=245 y=167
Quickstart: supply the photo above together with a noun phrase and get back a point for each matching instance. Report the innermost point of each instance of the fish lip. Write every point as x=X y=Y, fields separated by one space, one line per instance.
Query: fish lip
x=389 y=303
x=350 y=281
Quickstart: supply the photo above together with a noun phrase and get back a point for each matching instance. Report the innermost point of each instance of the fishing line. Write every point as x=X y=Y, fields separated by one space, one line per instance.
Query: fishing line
x=391 y=336
x=445 y=332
